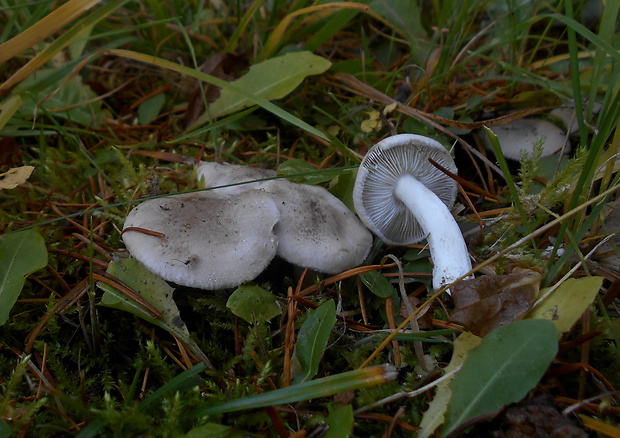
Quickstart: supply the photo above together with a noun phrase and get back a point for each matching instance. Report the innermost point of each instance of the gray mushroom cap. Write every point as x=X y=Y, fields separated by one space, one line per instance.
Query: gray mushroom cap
x=230 y=178
x=209 y=242
x=380 y=170
x=519 y=137
x=316 y=230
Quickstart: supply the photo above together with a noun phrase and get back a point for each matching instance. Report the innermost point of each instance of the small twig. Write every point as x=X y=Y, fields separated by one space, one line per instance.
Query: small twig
x=144 y=231
x=389 y=312
x=342 y=276
x=463 y=182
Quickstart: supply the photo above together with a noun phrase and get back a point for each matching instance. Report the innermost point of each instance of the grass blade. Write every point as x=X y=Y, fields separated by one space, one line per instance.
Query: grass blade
x=325 y=387
x=269 y=106
x=45 y=27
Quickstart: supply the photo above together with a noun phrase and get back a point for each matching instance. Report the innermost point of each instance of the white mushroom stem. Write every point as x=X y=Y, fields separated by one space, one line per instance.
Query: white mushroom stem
x=446 y=243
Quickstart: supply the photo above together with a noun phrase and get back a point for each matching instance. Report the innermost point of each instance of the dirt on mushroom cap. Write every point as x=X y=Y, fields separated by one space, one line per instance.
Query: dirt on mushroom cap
x=209 y=242
x=316 y=230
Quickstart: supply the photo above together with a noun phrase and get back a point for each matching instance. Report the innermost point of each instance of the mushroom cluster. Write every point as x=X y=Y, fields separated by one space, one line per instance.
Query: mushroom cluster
x=403 y=199
x=220 y=238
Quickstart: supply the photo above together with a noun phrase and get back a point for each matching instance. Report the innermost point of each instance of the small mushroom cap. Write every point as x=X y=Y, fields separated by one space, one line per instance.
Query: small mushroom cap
x=209 y=243
x=385 y=162
x=316 y=230
x=520 y=136
x=224 y=174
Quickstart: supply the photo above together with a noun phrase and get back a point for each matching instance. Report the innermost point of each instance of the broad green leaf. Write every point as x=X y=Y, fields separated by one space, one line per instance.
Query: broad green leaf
x=566 y=304
x=253 y=304
x=5 y=430
x=155 y=291
x=340 y=422
x=508 y=363
x=378 y=284
x=215 y=430
x=312 y=340
x=197 y=74
x=21 y=254
x=150 y=108
x=319 y=388
x=342 y=187
x=67 y=103
x=434 y=416
x=270 y=79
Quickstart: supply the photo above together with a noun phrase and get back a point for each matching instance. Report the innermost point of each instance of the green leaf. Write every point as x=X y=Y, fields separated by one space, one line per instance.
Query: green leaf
x=312 y=340
x=8 y=108
x=74 y=101
x=253 y=304
x=214 y=430
x=342 y=187
x=21 y=254
x=156 y=292
x=270 y=79
x=340 y=422
x=185 y=381
x=508 y=363
x=197 y=74
x=150 y=108
x=5 y=430
x=378 y=284
x=434 y=416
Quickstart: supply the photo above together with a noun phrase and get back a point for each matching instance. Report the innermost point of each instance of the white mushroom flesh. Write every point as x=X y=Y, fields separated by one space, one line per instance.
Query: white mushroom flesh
x=448 y=249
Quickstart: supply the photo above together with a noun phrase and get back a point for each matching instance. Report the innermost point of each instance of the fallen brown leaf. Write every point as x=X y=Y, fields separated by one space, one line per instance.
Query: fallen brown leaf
x=484 y=303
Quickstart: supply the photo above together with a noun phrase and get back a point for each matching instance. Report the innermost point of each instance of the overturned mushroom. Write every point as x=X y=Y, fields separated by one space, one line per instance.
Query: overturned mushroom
x=202 y=241
x=316 y=230
x=403 y=198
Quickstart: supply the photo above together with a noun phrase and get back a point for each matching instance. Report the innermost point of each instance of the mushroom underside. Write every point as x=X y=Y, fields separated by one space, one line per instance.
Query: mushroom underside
x=403 y=198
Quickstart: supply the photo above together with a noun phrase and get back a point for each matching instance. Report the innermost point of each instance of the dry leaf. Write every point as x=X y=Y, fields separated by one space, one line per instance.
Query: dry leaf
x=15 y=177
x=490 y=301
x=434 y=416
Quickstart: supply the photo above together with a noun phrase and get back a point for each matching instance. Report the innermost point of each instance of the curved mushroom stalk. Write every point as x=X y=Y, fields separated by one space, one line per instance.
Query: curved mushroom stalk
x=448 y=250
x=403 y=199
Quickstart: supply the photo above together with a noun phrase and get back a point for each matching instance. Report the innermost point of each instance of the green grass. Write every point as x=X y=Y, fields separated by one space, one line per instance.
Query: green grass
x=98 y=107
